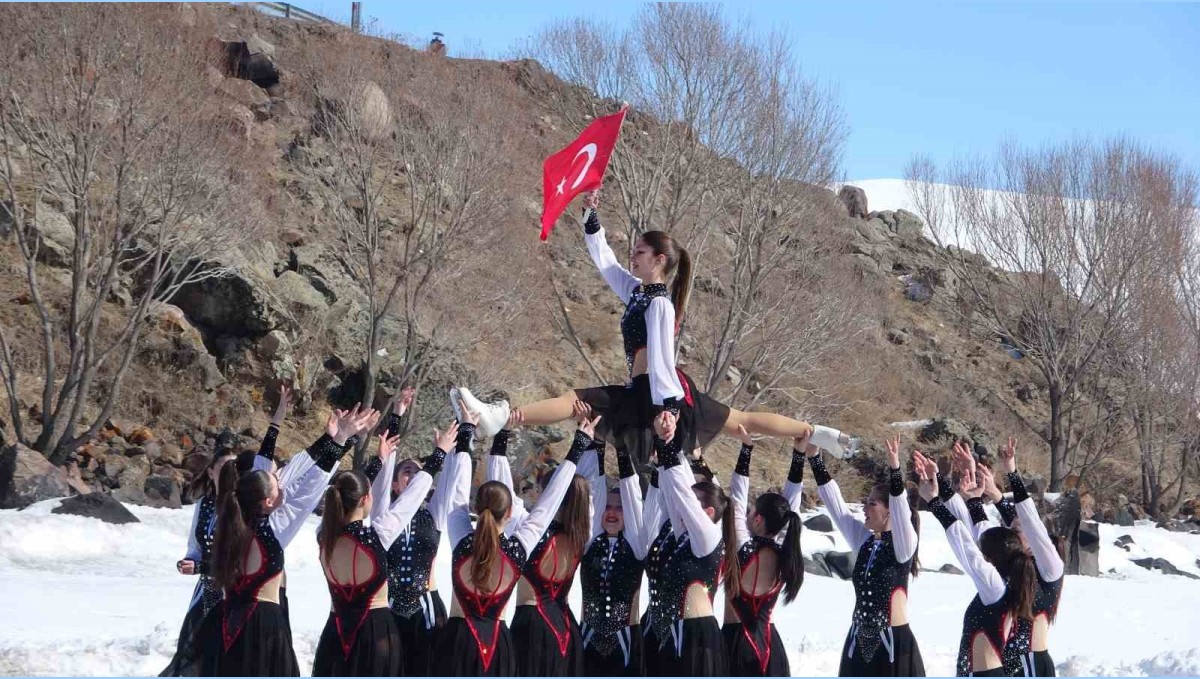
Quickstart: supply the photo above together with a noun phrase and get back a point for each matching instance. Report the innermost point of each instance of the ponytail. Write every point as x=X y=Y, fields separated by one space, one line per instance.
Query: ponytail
x=915 y=562
x=492 y=503
x=201 y=484
x=345 y=493
x=1003 y=549
x=791 y=559
x=777 y=515
x=713 y=497
x=573 y=514
x=681 y=285
x=239 y=504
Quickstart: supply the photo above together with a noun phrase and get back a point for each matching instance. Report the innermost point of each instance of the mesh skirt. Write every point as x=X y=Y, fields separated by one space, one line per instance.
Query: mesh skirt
x=903 y=661
x=376 y=651
x=459 y=655
x=758 y=655
x=627 y=416
x=262 y=649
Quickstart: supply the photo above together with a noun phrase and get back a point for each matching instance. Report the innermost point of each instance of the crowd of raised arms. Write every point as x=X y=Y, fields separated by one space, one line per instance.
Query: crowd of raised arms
x=662 y=518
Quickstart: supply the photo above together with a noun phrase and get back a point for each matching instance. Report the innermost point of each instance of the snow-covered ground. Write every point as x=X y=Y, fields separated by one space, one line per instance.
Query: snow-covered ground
x=81 y=597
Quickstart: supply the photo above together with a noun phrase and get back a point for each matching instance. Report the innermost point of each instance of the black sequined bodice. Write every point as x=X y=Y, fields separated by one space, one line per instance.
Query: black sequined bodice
x=611 y=577
x=990 y=621
x=755 y=610
x=205 y=529
x=877 y=578
x=482 y=610
x=241 y=598
x=410 y=561
x=352 y=600
x=1020 y=639
x=549 y=588
x=633 y=323
x=679 y=570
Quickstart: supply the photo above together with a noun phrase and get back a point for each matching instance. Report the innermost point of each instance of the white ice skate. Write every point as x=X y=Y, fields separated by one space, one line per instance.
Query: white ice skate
x=492 y=416
x=833 y=441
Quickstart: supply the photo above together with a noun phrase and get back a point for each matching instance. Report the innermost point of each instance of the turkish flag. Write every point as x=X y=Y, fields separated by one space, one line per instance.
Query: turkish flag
x=578 y=168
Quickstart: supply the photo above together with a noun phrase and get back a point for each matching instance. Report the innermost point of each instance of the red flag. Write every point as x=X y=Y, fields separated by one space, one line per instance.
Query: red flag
x=577 y=168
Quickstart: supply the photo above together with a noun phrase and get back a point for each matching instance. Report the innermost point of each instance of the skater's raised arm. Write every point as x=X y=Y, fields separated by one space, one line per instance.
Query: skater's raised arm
x=618 y=277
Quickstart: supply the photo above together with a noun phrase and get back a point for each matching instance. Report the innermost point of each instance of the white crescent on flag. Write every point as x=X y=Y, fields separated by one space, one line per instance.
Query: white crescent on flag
x=590 y=150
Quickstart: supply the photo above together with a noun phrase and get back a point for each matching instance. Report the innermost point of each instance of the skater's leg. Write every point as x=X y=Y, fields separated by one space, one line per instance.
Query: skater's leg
x=548 y=411
x=764 y=424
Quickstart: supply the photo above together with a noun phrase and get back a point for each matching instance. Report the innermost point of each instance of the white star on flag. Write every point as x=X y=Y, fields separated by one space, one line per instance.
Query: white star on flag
x=562 y=184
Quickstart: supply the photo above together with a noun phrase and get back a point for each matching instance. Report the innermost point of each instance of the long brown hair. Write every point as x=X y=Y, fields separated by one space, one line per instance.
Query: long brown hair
x=1003 y=549
x=777 y=515
x=492 y=503
x=882 y=492
x=238 y=508
x=679 y=261
x=713 y=497
x=573 y=513
x=345 y=491
x=202 y=484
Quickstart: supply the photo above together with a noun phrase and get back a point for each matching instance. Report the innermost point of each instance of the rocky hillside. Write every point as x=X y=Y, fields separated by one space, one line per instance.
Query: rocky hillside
x=214 y=356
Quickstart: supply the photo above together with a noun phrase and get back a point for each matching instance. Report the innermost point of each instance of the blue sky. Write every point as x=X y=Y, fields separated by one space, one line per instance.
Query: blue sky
x=935 y=78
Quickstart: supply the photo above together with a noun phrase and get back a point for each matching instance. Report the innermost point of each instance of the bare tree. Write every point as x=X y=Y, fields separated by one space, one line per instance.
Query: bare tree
x=1066 y=228
x=94 y=137
x=408 y=186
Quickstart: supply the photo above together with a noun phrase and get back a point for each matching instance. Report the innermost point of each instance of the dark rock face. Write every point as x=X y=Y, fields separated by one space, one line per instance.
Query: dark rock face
x=96 y=506
x=855 y=200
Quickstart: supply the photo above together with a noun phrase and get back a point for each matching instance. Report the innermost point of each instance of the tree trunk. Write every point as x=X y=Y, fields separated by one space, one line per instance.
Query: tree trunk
x=1057 y=441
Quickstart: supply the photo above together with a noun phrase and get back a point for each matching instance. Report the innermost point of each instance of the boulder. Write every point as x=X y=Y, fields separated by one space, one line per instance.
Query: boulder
x=162 y=491
x=131 y=495
x=195 y=463
x=943 y=431
x=252 y=59
x=168 y=453
x=855 y=200
x=817 y=566
x=820 y=523
x=26 y=477
x=874 y=231
x=298 y=295
x=274 y=345
x=96 y=506
x=244 y=92
x=1123 y=542
x=1166 y=567
x=55 y=236
x=841 y=564
x=908 y=226
x=372 y=110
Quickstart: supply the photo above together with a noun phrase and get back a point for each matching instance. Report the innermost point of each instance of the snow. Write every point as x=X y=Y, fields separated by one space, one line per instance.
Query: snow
x=81 y=597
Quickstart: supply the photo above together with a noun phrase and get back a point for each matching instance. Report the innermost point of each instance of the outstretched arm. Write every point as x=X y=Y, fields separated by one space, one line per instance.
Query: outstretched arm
x=618 y=277
x=397 y=517
x=530 y=528
x=676 y=480
x=500 y=469
x=851 y=527
x=592 y=469
x=739 y=489
x=631 y=505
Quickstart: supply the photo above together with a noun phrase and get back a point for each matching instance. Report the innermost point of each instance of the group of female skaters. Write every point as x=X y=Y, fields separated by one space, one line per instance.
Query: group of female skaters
x=380 y=532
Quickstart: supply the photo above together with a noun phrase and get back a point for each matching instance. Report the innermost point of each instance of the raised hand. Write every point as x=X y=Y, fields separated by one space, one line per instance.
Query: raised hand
x=342 y=424
x=591 y=199
x=285 y=401
x=744 y=436
x=387 y=445
x=580 y=411
x=664 y=425
x=1008 y=455
x=985 y=476
x=469 y=416
x=444 y=440
x=926 y=469
x=893 y=452
x=514 y=419
x=964 y=459
x=588 y=426
x=367 y=420
x=406 y=399
x=801 y=443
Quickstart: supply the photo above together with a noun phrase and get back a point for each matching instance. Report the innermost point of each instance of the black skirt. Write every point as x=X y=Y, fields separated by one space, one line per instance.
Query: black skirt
x=458 y=654
x=418 y=634
x=696 y=649
x=376 y=651
x=186 y=660
x=539 y=652
x=764 y=656
x=625 y=660
x=262 y=649
x=904 y=660
x=627 y=416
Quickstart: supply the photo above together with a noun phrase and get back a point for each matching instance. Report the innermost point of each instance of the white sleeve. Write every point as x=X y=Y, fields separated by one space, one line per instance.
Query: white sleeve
x=297 y=466
x=618 y=278
x=1045 y=555
x=653 y=516
x=794 y=494
x=381 y=489
x=987 y=579
x=739 y=495
x=851 y=527
x=499 y=469
x=904 y=535
x=193 y=549
x=530 y=528
x=392 y=522
x=704 y=534
x=299 y=500
x=598 y=487
x=456 y=475
x=631 y=508
x=443 y=495
x=958 y=507
x=660 y=352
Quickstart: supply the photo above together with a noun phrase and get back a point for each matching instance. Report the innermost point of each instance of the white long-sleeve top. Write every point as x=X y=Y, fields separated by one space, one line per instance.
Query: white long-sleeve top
x=390 y=519
x=660 y=320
